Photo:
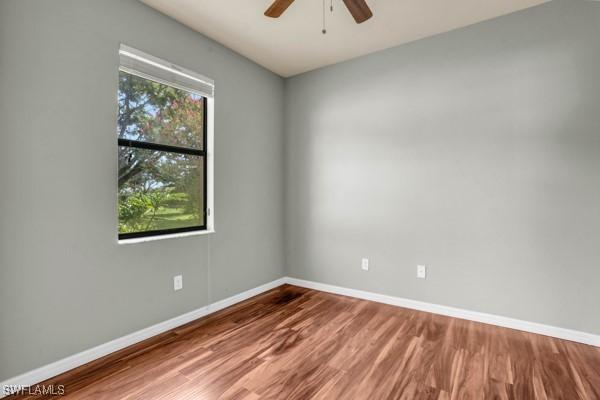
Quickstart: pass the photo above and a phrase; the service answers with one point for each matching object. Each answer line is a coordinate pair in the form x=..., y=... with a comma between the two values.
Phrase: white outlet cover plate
x=365, y=264
x=178, y=282
x=421, y=271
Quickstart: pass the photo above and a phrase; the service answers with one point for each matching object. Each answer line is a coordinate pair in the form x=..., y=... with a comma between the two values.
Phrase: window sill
x=168, y=236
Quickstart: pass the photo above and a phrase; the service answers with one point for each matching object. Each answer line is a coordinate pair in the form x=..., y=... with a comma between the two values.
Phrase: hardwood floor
x=295, y=343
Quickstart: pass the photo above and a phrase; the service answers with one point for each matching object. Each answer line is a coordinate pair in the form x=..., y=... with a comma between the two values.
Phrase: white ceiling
x=293, y=43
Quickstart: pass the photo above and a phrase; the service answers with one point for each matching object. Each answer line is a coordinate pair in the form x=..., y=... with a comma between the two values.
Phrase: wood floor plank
x=297, y=343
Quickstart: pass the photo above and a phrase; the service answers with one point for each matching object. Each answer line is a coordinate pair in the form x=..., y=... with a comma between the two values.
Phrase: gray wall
x=476, y=153
x=65, y=283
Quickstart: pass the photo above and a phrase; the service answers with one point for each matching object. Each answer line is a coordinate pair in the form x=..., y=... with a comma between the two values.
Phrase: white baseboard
x=541, y=329
x=77, y=360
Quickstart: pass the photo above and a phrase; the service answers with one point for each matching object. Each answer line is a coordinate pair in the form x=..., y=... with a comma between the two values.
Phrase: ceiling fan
x=358, y=8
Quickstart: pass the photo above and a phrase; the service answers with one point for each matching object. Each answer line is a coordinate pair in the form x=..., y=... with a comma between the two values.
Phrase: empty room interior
x=309, y=199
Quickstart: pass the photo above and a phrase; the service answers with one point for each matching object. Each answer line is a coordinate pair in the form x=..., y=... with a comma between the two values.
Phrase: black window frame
x=177, y=150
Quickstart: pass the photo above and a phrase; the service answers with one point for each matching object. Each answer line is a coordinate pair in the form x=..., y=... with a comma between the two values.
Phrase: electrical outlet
x=178, y=282
x=365, y=264
x=421, y=272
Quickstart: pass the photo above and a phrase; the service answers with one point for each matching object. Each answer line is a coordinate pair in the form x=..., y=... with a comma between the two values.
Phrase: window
x=165, y=162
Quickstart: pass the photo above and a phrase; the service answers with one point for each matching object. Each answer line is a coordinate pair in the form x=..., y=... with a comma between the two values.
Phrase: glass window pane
x=158, y=113
x=159, y=190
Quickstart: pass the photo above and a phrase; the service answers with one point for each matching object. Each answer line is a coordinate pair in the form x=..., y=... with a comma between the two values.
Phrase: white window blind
x=138, y=63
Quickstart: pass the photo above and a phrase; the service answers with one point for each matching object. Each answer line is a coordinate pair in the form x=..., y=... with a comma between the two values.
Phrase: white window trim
x=144, y=239
x=150, y=67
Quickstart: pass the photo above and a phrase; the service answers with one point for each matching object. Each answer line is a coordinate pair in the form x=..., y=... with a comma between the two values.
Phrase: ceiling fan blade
x=277, y=8
x=359, y=10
